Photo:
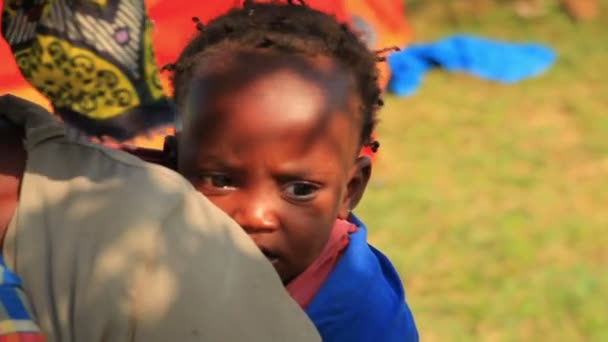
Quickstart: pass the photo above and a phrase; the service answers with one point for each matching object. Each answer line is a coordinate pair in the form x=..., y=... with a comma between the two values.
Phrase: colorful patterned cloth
x=93, y=59
x=16, y=320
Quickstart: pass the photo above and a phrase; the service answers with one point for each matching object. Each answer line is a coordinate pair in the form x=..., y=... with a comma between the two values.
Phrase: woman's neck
x=12, y=166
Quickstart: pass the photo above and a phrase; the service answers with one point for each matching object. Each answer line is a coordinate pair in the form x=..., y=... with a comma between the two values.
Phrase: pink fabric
x=304, y=287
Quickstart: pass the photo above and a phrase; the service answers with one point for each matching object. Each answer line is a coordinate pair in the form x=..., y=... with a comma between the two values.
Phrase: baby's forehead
x=248, y=78
x=223, y=74
x=244, y=66
x=283, y=109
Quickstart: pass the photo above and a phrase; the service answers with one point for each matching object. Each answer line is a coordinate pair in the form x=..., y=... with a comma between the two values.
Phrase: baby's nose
x=257, y=217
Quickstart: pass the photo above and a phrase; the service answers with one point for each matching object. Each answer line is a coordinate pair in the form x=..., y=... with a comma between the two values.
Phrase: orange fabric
x=174, y=27
x=392, y=14
x=304, y=287
x=387, y=18
x=11, y=80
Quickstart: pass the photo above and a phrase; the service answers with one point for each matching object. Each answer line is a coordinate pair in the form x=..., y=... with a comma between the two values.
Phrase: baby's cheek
x=225, y=202
x=307, y=233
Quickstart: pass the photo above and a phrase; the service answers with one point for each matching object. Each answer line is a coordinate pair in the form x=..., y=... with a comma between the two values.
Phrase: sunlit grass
x=492, y=200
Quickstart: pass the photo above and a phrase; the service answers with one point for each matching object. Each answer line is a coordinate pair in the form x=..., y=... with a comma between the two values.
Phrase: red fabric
x=304, y=287
x=368, y=151
x=22, y=337
x=10, y=76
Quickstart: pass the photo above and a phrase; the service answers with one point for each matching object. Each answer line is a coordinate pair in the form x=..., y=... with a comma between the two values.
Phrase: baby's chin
x=286, y=270
x=277, y=263
x=283, y=270
x=286, y=273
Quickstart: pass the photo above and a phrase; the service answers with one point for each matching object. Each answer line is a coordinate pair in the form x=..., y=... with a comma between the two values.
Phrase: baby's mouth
x=272, y=257
x=278, y=262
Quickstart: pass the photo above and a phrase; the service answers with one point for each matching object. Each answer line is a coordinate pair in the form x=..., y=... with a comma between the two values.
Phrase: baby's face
x=279, y=156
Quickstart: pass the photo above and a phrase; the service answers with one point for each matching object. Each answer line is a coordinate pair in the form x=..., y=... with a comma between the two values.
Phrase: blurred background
x=492, y=199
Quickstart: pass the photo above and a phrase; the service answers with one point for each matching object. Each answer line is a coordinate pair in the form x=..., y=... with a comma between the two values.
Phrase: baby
x=277, y=100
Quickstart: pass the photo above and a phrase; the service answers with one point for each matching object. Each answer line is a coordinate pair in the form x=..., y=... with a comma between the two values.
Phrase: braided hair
x=292, y=28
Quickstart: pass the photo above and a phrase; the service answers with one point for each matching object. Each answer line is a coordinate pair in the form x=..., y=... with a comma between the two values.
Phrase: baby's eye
x=301, y=191
x=218, y=181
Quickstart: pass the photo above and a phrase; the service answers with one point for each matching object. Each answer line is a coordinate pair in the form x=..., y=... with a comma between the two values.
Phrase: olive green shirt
x=111, y=248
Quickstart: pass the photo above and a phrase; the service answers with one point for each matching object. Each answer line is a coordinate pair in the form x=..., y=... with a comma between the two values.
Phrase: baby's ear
x=358, y=178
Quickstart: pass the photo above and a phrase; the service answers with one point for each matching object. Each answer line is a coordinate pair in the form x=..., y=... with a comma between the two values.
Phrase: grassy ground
x=492, y=200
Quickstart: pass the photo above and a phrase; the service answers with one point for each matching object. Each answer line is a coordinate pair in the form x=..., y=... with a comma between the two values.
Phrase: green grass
x=492, y=200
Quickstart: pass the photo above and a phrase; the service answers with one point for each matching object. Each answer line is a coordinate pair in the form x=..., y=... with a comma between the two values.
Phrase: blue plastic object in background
x=489, y=59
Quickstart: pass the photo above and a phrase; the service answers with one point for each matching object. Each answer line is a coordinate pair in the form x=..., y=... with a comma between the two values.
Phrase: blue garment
x=15, y=313
x=489, y=59
x=363, y=298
